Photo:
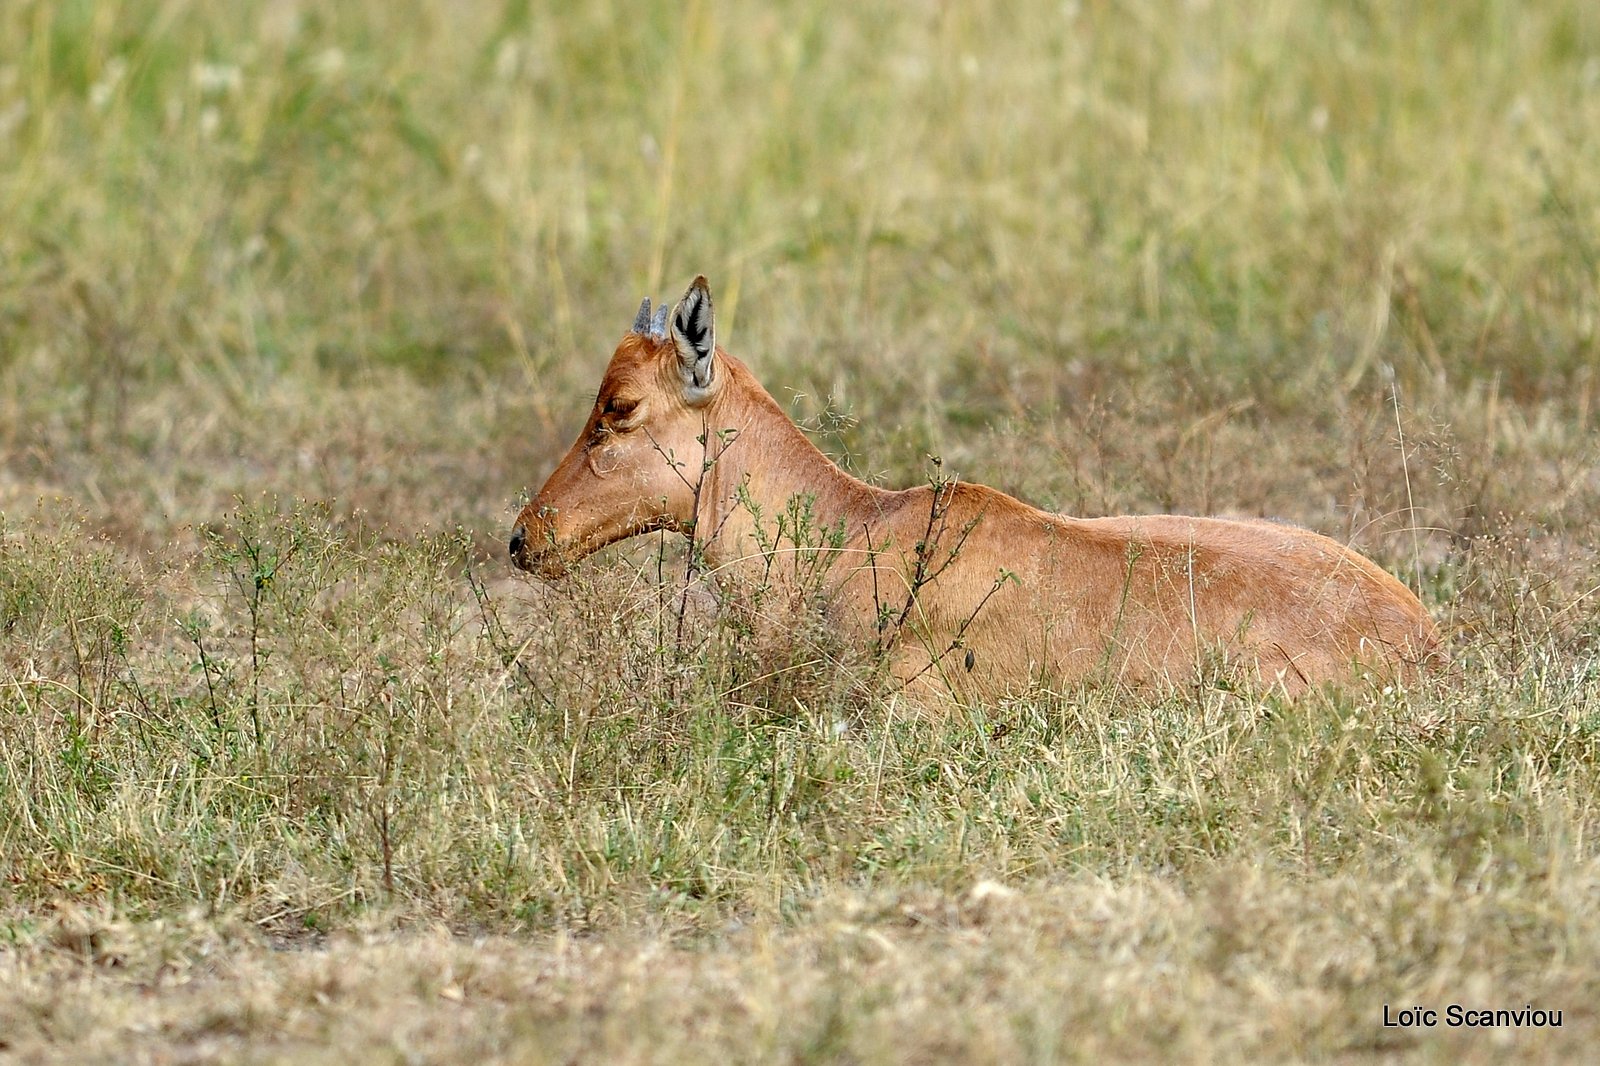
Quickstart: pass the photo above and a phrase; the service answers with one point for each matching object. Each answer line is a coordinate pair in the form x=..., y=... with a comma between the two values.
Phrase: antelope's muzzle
x=533, y=545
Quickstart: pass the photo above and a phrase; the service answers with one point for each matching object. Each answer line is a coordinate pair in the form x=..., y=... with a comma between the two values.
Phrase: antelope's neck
x=759, y=464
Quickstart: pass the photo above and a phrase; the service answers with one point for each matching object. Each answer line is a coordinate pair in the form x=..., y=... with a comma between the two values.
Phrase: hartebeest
x=991, y=593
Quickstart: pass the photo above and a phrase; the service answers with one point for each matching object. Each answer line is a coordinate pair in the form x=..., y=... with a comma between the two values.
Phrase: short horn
x=658, y=325
x=641, y=321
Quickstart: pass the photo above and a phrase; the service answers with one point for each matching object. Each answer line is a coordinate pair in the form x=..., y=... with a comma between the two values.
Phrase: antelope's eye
x=619, y=409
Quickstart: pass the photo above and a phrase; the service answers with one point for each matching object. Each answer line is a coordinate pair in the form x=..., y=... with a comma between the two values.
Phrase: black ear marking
x=694, y=323
x=694, y=331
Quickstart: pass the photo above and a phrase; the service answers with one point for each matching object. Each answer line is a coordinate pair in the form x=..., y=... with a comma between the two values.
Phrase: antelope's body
x=966, y=587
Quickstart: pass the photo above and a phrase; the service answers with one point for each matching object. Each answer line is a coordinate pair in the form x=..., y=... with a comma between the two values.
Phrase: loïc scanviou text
x=1457, y=1016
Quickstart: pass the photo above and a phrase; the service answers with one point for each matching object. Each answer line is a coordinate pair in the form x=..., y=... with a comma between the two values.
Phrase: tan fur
x=1147, y=600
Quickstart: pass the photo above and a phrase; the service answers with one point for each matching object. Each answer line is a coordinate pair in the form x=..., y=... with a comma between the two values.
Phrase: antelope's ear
x=694, y=335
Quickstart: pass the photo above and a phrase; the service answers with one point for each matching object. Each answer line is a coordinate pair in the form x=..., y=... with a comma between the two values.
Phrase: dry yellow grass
x=1243, y=965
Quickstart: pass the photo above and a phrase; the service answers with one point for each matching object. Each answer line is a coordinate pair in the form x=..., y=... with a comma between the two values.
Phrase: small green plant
x=252, y=560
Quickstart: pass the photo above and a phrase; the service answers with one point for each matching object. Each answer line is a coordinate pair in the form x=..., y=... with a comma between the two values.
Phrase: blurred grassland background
x=295, y=300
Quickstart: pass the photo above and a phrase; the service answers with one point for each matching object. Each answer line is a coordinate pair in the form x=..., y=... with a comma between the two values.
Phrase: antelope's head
x=636, y=465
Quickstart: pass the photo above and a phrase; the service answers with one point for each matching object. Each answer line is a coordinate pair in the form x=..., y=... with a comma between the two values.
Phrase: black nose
x=519, y=537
